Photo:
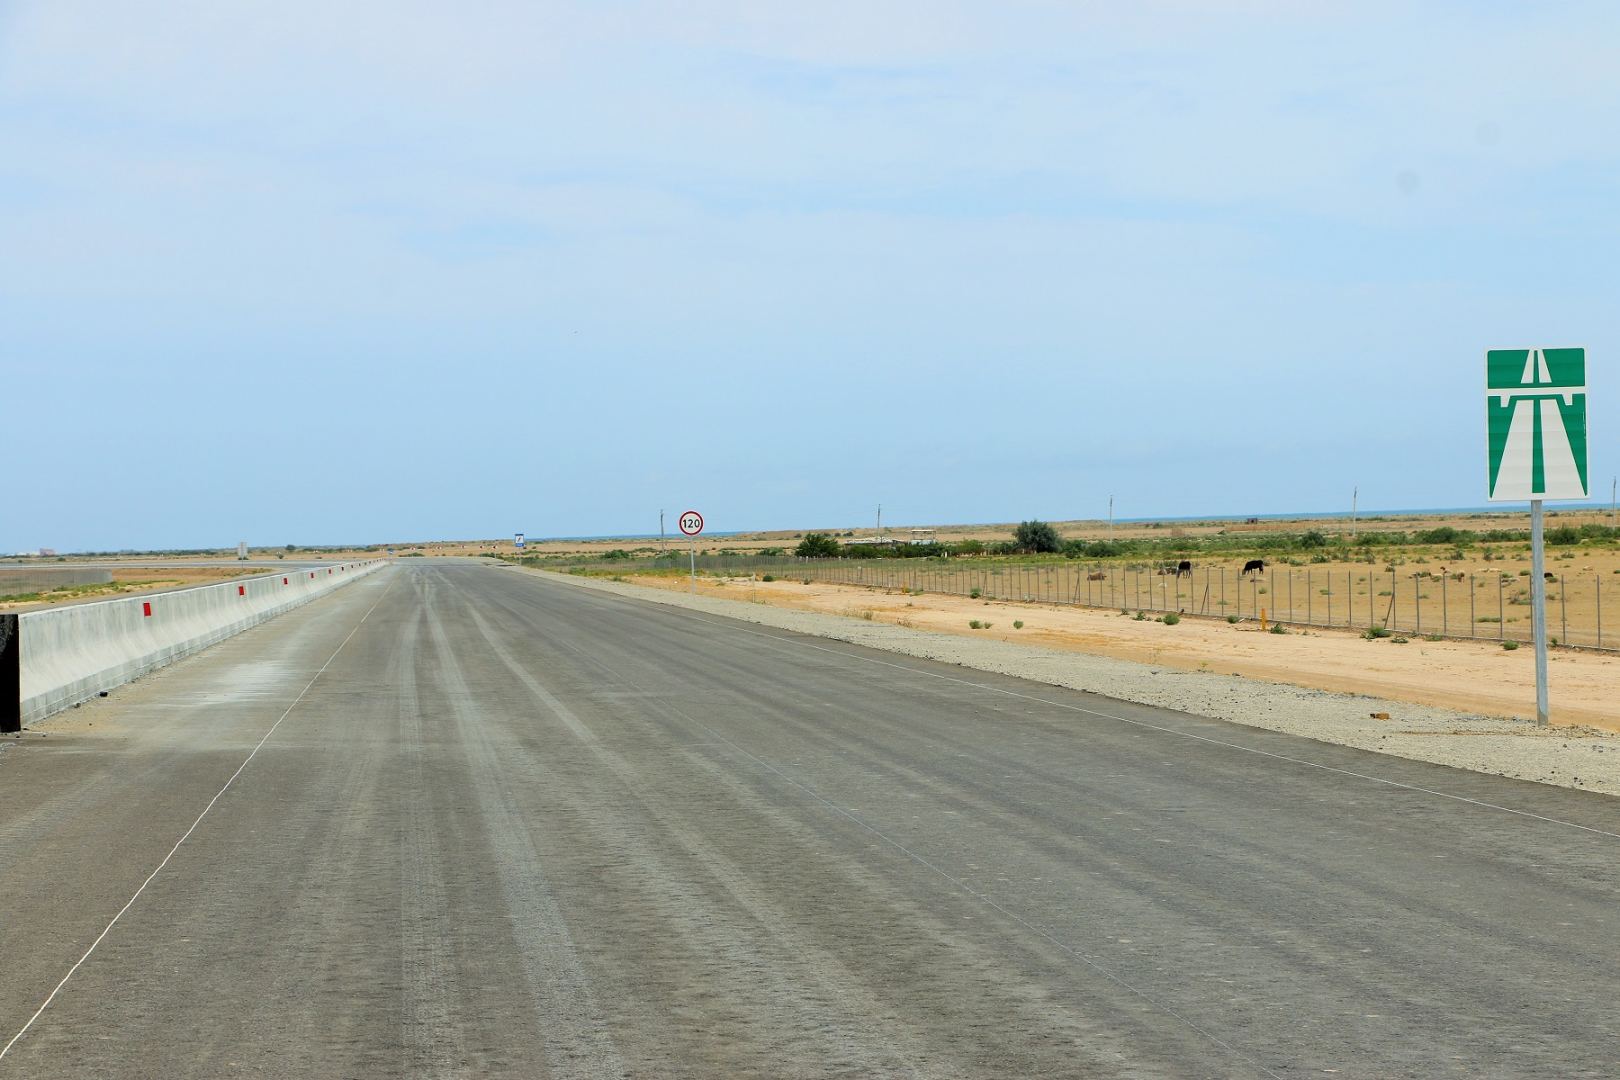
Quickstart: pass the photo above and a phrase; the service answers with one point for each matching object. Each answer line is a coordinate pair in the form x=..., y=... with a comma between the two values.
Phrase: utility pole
x=880, y=519
x=1110, y=517
x=1613, y=483
x=1355, y=493
x=663, y=541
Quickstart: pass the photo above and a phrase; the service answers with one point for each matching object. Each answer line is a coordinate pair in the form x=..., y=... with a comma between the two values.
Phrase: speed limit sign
x=691, y=523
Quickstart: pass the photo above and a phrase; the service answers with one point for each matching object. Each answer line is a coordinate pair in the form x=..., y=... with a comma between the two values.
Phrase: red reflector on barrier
x=146, y=609
x=329, y=570
x=241, y=590
x=284, y=581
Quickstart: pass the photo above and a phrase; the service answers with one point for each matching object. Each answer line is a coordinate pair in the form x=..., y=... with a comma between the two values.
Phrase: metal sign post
x=1535, y=428
x=691, y=523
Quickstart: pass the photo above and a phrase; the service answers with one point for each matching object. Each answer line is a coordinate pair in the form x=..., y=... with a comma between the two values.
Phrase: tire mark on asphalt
x=1093, y=963
x=883, y=1048
x=576, y=1041
x=433, y=1045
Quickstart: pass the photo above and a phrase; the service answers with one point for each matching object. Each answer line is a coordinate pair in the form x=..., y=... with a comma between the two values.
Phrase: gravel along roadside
x=1575, y=757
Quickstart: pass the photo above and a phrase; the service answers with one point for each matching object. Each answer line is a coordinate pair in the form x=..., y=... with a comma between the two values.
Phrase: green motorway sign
x=1535, y=423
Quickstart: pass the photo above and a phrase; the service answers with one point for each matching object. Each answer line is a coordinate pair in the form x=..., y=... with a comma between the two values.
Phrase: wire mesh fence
x=1402, y=600
x=20, y=581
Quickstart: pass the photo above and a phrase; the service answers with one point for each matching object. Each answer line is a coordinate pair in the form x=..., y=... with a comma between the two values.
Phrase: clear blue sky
x=347, y=272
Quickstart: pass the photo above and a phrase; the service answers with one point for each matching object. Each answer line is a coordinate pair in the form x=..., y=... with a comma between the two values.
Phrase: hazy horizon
x=1363, y=514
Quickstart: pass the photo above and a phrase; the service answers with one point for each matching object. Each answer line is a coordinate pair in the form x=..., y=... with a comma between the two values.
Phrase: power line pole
x=1110, y=518
x=663, y=541
x=880, y=519
x=1355, y=493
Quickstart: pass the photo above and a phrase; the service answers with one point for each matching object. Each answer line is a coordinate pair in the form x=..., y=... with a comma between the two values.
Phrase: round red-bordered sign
x=691, y=522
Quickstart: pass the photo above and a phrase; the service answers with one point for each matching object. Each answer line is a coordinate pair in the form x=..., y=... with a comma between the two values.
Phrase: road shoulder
x=1581, y=758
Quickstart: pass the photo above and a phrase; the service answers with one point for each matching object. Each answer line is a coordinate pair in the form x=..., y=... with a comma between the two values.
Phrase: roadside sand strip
x=1463, y=676
x=1578, y=757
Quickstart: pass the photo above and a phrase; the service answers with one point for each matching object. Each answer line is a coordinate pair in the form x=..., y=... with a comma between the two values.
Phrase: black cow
x=1549, y=577
x=1257, y=566
x=1184, y=568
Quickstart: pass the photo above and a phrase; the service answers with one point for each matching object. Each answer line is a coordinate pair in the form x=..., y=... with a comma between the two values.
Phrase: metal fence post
x=1563, y=612
x=1501, y=613
x=1394, y=593
x=1417, y=604
x=1599, y=580
x=1445, y=608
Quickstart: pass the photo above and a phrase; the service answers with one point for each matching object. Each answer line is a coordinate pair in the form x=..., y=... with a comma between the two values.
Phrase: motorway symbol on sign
x=691, y=523
x=517, y=541
x=1535, y=422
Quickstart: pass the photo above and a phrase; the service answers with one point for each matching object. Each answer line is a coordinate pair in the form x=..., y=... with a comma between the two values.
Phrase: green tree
x=1037, y=537
x=817, y=546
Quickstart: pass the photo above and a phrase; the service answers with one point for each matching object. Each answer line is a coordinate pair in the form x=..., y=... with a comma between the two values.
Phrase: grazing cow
x=1257, y=566
x=1549, y=576
x=1097, y=576
x=1184, y=568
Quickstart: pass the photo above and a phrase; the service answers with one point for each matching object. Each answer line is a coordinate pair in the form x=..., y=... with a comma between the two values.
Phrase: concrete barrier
x=70, y=654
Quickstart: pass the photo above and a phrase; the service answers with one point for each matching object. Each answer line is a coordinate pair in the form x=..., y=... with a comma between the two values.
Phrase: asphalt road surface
x=460, y=820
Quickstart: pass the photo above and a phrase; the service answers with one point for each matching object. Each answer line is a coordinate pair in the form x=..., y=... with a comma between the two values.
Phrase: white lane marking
x=727, y=624
x=149, y=878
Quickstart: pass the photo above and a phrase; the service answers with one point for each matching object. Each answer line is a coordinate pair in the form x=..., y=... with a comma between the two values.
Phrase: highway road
x=462, y=820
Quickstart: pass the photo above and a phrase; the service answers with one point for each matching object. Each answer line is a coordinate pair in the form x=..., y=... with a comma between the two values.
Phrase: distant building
x=46, y=552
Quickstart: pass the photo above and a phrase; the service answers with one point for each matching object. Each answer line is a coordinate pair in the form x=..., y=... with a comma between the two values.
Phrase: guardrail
x=69, y=654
